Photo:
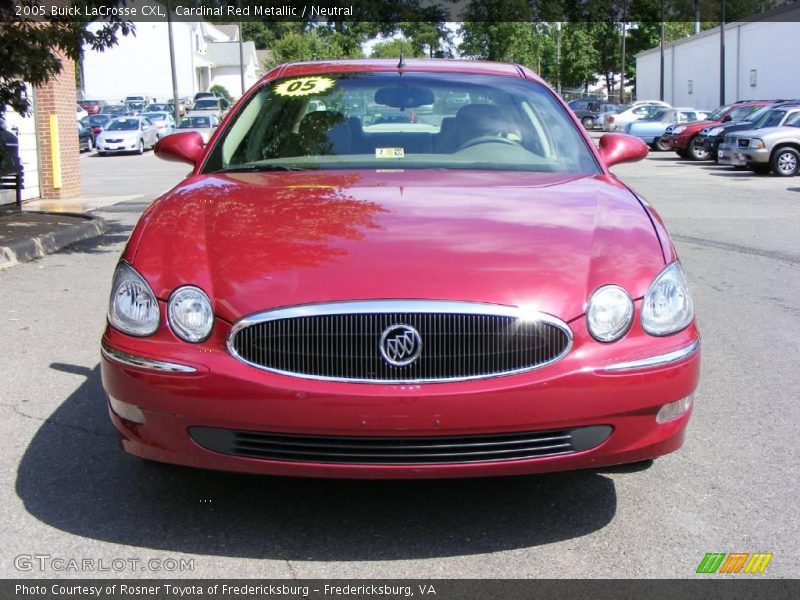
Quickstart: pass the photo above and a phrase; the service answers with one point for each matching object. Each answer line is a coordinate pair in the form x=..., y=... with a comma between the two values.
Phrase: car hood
x=255, y=241
x=119, y=133
x=771, y=133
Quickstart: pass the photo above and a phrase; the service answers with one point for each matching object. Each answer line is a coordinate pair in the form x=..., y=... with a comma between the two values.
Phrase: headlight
x=716, y=131
x=190, y=314
x=609, y=313
x=133, y=308
x=667, y=306
x=756, y=143
x=679, y=129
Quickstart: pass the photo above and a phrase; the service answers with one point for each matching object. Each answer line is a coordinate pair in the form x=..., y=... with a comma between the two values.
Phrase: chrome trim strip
x=654, y=361
x=394, y=306
x=130, y=360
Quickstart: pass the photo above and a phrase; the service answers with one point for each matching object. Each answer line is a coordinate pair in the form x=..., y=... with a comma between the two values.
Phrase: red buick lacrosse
x=385, y=270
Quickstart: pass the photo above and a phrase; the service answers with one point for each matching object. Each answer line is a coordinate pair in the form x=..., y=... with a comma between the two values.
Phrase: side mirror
x=618, y=148
x=185, y=147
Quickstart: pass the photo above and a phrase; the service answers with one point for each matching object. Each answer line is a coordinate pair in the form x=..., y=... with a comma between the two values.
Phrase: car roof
x=435, y=65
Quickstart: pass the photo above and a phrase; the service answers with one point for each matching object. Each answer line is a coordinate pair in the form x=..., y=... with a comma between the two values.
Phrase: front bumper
x=729, y=155
x=750, y=156
x=710, y=144
x=676, y=142
x=622, y=386
x=124, y=146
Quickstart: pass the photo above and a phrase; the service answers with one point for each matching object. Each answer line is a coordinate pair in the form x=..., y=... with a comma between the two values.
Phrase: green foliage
x=392, y=48
x=32, y=51
x=221, y=89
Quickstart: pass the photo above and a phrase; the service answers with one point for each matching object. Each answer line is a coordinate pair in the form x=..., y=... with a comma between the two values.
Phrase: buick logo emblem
x=400, y=345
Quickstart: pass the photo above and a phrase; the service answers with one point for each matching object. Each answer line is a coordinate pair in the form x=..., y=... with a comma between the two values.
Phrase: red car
x=92, y=107
x=683, y=138
x=472, y=294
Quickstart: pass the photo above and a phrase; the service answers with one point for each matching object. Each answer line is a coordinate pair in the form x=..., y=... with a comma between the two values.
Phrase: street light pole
x=722, y=56
x=175, y=99
x=622, y=73
x=661, y=45
x=558, y=57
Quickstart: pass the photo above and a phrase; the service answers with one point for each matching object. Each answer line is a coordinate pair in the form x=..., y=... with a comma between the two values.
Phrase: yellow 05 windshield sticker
x=304, y=86
x=389, y=153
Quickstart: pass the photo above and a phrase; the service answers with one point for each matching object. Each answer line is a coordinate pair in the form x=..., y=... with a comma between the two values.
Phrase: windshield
x=717, y=114
x=661, y=115
x=123, y=125
x=209, y=103
x=155, y=116
x=407, y=121
x=97, y=120
x=195, y=123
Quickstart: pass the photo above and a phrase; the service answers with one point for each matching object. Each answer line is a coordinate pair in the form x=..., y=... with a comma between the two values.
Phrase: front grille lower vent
x=356, y=450
x=438, y=341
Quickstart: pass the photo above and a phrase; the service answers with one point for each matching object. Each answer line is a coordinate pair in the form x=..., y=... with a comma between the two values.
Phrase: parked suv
x=773, y=116
x=767, y=116
x=683, y=138
x=775, y=149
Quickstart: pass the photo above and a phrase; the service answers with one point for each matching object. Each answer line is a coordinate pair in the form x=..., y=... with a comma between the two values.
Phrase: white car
x=80, y=113
x=127, y=134
x=204, y=124
x=632, y=112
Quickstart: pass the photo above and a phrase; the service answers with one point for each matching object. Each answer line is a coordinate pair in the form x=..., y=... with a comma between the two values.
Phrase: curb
x=42, y=245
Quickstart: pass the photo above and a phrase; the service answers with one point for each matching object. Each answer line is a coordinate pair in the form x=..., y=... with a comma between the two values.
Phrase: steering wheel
x=488, y=139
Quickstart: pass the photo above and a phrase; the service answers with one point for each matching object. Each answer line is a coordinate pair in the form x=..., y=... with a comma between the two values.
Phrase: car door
x=149, y=132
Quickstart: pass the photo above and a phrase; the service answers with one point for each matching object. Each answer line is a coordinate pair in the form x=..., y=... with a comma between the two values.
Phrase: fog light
x=673, y=410
x=126, y=411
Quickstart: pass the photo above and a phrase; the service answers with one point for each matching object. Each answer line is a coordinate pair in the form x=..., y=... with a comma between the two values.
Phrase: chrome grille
x=342, y=341
x=407, y=450
x=744, y=142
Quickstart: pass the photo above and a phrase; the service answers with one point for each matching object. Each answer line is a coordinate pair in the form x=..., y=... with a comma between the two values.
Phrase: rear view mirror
x=404, y=96
x=618, y=148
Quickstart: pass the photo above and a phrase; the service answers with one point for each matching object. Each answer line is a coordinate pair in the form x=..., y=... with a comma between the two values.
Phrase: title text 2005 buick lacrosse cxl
x=403, y=270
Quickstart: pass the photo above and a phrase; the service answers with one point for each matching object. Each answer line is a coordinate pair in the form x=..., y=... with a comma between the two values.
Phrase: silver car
x=163, y=121
x=770, y=117
x=202, y=124
x=127, y=134
x=775, y=149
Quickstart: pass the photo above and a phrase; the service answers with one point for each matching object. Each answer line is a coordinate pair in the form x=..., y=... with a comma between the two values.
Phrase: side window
x=641, y=110
x=774, y=118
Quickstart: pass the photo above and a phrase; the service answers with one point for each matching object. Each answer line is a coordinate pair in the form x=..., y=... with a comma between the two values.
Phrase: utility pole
x=661, y=45
x=176, y=106
x=558, y=57
x=622, y=72
x=241, y=50
x=722, y=56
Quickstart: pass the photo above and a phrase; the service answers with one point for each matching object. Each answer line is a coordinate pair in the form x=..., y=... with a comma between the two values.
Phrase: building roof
x=232, y=31
x=226, y=54
x=784, y=13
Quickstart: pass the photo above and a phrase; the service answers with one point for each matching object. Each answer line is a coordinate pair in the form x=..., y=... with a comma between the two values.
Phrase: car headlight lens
x=190, y=314
x=609, y=313
x=667, y=306
x=715, y=131
x=133, y=308
x=756, y=143
x=679, y=129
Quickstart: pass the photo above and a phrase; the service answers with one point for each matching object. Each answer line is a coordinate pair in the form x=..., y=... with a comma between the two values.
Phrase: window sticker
x=389, y=153
x=304, y=86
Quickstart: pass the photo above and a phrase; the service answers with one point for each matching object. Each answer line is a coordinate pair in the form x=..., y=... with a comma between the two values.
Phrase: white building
x=755, y=63
x=205, y=55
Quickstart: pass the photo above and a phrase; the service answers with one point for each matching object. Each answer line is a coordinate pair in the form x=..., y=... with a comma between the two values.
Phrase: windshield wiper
x=255, y=168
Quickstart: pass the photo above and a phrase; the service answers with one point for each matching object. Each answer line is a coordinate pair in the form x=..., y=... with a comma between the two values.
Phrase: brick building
x=52, y=170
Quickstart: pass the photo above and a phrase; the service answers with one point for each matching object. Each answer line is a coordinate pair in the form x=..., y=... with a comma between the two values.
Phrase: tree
x=32, y=51
x=392, y=49
x=222, y=90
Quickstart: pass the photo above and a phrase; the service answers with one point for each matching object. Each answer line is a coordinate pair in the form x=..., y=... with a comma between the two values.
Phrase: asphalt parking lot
x=68, y=492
